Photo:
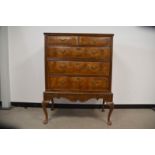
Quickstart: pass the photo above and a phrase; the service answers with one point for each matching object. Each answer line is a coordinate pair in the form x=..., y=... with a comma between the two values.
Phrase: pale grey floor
x=32, y=118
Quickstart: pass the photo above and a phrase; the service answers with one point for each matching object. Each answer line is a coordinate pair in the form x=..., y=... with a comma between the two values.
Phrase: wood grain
x=78, y=66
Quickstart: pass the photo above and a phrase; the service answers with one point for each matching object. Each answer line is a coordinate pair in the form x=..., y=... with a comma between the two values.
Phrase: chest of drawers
x=78, y=67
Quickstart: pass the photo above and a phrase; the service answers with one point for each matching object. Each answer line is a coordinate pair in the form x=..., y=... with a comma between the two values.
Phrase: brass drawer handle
x=94, y=42
x=93, y=67
x=77, y=78
x=62, y=39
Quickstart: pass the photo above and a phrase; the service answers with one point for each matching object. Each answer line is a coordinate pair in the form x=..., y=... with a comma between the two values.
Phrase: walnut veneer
x=78, y=67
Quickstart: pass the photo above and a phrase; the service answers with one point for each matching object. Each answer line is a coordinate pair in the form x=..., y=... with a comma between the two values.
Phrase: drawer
x=79, y=68
x=79, y=52
x=62, y=40
x=78, y=83
x=95, y=41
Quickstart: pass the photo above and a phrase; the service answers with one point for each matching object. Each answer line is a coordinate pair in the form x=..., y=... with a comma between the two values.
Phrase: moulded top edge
x=79, y=34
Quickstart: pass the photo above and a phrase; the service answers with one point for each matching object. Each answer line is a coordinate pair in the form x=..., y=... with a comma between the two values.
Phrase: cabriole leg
x=44, y=105
x=103, y=105
x=52, y=105
x=111, y=108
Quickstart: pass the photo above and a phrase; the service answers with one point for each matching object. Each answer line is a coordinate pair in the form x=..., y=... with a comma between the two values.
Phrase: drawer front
x=78, y=83
x=74, y=68
x=62, y=40
x=79, y=52
x=95, y=41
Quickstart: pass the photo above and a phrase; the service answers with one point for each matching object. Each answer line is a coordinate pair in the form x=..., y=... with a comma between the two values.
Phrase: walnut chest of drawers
x=78, y=67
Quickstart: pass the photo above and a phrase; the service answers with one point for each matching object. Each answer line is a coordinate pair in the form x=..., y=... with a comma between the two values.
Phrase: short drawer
x=62, y=40
x=79, y=52
x=79, y=68
x=78, y=83
x=95, y=41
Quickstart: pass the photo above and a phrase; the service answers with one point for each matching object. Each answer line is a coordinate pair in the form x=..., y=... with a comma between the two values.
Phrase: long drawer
x=80, y=52
x=78, y=83
x=95, y=41
x=75, y=68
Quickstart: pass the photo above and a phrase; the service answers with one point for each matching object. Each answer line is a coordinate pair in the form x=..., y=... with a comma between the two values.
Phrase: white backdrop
x=133, y=80
x=4, y=68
